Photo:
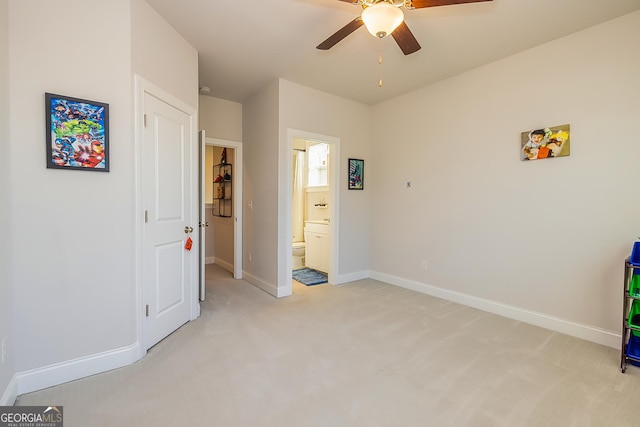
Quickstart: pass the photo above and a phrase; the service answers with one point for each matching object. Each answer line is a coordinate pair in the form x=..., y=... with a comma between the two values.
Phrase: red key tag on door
x=188, y=244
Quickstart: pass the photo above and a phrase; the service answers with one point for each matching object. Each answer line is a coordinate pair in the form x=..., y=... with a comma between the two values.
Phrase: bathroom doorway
x=313, y=183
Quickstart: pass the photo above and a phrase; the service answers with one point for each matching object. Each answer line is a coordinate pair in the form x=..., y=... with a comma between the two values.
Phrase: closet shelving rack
x=222, y=190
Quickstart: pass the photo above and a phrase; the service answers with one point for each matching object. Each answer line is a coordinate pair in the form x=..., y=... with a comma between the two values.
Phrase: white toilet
x=298, y=249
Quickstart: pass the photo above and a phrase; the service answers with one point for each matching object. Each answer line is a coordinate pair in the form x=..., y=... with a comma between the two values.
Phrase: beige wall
x=260, y=138
x=163, y=56
x=76, y=226
x=310, y=110
x=268, y=117
x=76, y=313
x=220, y=118
x=542, y=240
x=6, y=284
x=208, y=175
x=313, y=212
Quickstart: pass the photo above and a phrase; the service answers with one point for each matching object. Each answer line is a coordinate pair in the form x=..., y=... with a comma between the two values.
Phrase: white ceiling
x=244, y=44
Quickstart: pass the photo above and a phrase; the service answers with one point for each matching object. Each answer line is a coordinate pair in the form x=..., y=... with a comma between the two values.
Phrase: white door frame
x=142, y=86
x=237, y=199
x=286, y=166
x=202, y=223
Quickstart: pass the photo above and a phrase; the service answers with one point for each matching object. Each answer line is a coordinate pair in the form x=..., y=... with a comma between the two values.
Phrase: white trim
x=59, y=373
x=578, y=330
x=224, y=264
x=10, y=393
x=209, y=260
x=352, y=277
x=138, y=114
x=285, y=173
x=270, y=288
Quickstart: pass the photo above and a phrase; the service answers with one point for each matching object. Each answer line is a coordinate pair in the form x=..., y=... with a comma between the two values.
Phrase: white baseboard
x=284, y=293
x=224, y=264
x=59, y=373
x=11, y=393
x=209, y=260
x=586, y=332
x=265, y=286
x=351, y=277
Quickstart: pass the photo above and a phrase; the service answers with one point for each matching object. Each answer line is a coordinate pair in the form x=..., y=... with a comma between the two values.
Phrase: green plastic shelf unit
x=634, y=286
x=634, y=317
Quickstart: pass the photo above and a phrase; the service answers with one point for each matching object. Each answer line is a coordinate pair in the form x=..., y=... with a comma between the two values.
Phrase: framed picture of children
x=545, y=143
x=77, y=133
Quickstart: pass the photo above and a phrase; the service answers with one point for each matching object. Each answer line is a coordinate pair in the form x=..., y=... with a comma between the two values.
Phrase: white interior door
x=167, y=201
x=203, y=223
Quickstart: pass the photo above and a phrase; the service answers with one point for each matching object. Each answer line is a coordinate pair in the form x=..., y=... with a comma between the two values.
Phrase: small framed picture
x=356, y=174
x=77, y=133
x=545, y=143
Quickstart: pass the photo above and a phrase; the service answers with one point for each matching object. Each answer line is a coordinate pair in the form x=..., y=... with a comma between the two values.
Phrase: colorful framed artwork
x=356, y=174
x=77, y=133
x=545, y=143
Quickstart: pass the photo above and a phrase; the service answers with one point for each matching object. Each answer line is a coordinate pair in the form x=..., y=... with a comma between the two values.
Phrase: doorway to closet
x=221, y=206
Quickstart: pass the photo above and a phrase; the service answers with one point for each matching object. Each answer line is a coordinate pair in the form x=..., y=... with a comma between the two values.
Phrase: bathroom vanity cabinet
x=222, y=190
x=316, y=236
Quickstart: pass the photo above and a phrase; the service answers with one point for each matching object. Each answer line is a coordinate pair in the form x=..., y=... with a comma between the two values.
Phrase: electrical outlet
x=4, y=349
x=424, y=265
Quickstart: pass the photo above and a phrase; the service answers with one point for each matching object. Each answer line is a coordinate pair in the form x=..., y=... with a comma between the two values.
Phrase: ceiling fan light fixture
x=382, y=18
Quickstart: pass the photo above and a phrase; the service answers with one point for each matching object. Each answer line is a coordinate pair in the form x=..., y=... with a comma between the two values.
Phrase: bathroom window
x=318, y=155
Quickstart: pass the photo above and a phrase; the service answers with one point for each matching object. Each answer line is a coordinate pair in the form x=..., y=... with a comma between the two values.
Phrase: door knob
x=188, y=229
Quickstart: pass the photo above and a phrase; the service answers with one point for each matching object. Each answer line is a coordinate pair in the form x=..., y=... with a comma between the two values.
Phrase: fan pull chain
x=380, y=65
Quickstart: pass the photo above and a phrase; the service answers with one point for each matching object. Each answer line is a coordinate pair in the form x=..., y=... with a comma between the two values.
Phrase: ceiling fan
x=384, y=17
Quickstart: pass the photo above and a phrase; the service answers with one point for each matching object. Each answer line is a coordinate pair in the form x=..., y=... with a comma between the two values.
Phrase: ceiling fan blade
x=405, y=39
x=340, y=34
x=419, y=4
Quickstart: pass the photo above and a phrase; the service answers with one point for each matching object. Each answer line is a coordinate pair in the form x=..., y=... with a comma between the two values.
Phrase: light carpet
x=360, y=354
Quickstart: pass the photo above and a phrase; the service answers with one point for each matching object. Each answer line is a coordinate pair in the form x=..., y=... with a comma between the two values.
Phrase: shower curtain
x=298, y=197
